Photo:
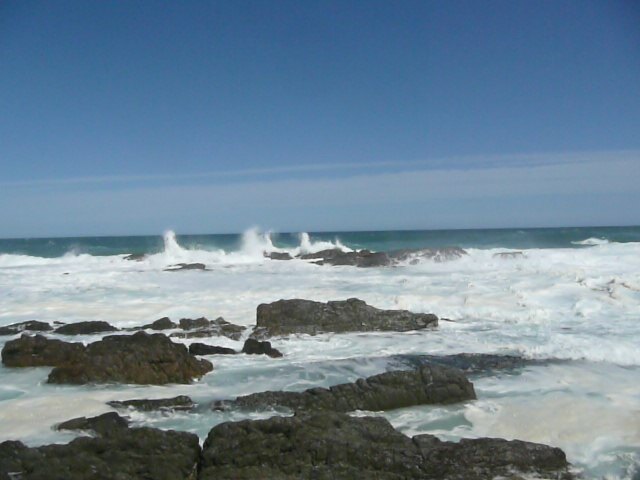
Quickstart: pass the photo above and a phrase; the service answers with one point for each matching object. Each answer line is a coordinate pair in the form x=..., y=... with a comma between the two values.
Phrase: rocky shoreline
x=320, y=441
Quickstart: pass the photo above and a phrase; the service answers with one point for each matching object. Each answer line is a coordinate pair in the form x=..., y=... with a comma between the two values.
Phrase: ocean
x=569, y=302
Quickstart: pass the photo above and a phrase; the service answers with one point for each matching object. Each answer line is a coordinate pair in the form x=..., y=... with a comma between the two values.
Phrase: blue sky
x=134, y=117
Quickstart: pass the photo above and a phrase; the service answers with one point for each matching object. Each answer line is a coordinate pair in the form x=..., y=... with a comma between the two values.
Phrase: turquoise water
x=375, y=240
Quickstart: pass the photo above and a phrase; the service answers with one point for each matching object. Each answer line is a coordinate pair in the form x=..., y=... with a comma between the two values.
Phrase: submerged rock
x=204, y=349
x=336, y=446
x=203, y=327
x=39, y=351
x=360, y=258
x=467, y=362
x=140, y=358
x=116, y=453
x=509, y=255
x=255, y=347
x=28, y=326
x=85, y=328
x=135, y=257
x=442, y=254
x=185, y=266
x=278, y=255
x=285, y=317
x=181, y=402
x=386, y=391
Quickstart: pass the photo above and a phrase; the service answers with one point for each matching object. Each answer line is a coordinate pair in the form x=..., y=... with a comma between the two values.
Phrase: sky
x=213, y=116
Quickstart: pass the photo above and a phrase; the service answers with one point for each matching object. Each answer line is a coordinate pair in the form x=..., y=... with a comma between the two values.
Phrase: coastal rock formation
x=135, y=257
x=386, y=391
x=366, y=258
x=116, y=453
x=181, y=402
x=203, y=327
x=204, y=349
x=140, y=358
x=255, y=347
x=85, y=328
x=163, y=323
x=286, y=317
x=470, y=363
x=29, y=326
x=185, y=266
x=278, y=255
x=335, y=446
x=39, y=351
x=104, y=424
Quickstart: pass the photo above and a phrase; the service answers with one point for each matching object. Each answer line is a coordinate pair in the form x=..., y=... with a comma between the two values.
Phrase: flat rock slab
x=39, y=351
x=104, y=424
x=470, y=363
x=28, y=326
x=116, y=453
x=204, y=349
x=386, y=391
x=203, y=328
x=336, y=446
x=181, y=402
x=366, y=258
x=286, y=317
x=85, y=328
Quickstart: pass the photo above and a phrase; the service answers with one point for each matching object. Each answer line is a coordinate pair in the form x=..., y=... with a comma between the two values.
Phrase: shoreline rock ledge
x=331, y=445
x=286, y=317
x=430, y=384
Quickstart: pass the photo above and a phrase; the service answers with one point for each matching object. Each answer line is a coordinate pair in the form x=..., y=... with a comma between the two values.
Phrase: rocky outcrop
x=185, y=266
x=29, y=326
x=163, y=323
x=366, y=258
x=104, y=424
x=116, y=453
x=204, y=349
x=39, y=351
x=135, y=257
x=278, y=255
x=255, y=347
x=181, y=402
x=140, y=358
x=470, y=363
x=85, y=328
x=336, y=446
x=387, y=391
x=286, y=317
x=203, y=327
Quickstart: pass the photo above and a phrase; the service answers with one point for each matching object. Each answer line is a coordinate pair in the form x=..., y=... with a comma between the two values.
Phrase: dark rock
x=135, y=257
x=185, y=266
x=116, y=453
x=509, y=255
x=181, y=402
x=467, y=362
x=39, y=351
x=255, y=347
x=204, y=349
x=202, y=327
x=386, y=391
x=30, y=326
x=442, y=254
x=85, y=328
x=104, y=424
x=140, y=358
x=163, y=323
x=285, y=317
x=360, y=258
x=335, y=446
x=278, y=255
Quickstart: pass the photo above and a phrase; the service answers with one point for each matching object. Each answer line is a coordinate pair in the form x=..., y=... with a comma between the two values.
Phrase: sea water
x=569, y=300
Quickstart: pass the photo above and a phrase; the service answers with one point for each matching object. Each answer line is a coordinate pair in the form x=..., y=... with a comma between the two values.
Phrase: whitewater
x=573, y=306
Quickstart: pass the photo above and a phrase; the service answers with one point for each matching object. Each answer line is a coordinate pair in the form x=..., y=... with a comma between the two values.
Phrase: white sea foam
x=579, y=304
x=592, y=241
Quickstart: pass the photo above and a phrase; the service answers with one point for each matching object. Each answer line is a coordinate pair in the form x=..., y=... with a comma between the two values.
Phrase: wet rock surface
x=39, y=351
x=135, y=257
x=117, y=452
x=286, y=317
x=203, y=327
x=103, y=424
x=367, y=258
x=163, y=323
x=85, y=328
x=471, y=363
x=256, y=347
x=185, y=266
x=278, y=255
x=386, y=391
x=335, y=446
x=204, y=349
x=140, y=358
x=29, y=326
x=181, y=402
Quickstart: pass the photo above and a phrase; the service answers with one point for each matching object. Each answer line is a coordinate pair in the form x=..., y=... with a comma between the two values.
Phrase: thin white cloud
x=471, y=162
